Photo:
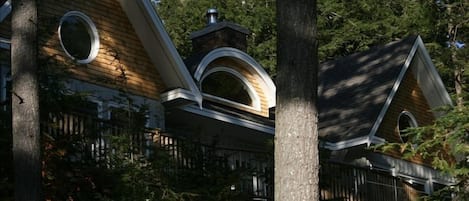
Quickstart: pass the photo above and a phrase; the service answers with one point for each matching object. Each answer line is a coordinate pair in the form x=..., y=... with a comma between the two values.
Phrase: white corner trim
x=334, y=146
x=395, y=87
x=5, y=10
x=176, y=94
x=170, y=49
x=267, y=84
x=376, y=140
x=229, y=119
x=5, y=43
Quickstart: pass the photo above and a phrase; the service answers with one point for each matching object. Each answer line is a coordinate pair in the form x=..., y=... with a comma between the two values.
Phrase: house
x=222, y=96
x=371, y=97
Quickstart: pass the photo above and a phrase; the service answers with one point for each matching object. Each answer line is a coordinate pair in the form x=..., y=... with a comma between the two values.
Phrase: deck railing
x=337, y=181
x=93, y=135
x=257, y=180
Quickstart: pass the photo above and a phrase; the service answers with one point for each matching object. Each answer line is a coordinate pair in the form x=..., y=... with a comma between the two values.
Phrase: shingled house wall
x=409, y=97
x=121, y=63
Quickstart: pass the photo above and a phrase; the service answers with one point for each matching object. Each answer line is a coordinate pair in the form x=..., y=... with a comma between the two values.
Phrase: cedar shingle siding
x=121, y=63
x=409, y=97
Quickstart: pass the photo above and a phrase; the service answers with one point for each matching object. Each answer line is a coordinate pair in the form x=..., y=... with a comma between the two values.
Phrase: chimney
x=219, y=34
x=212, y=16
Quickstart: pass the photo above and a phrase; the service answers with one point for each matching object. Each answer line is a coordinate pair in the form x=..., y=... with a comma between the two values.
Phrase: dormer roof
x=356, y=91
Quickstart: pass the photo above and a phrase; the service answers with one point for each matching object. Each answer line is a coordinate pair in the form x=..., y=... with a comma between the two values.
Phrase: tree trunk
x=25, y=101
x=296, y=135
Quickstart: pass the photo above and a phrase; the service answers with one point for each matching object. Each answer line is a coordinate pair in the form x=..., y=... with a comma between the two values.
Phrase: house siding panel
x=409, y=97
x=121, y=63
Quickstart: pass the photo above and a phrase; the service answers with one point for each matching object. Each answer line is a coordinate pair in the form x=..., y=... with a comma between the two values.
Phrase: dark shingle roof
x=353, y=89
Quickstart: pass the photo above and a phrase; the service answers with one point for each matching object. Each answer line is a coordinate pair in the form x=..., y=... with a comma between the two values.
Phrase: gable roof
x=161, y=51
x=356, y=91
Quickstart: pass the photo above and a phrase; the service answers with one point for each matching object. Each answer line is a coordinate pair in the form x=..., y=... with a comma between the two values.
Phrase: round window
x=79, y=37
x=406, y=120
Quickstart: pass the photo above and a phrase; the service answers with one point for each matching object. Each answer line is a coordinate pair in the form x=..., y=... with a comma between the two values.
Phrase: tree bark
x=296, y=133
x=25, y=101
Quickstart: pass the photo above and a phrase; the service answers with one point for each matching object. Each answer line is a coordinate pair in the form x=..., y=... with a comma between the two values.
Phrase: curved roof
x=198, y=64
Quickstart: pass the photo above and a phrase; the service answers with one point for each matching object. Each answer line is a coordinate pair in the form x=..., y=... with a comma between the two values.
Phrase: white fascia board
x=377, y=140
x=159, y=46
x=5, y=10
x=229, y=119
x=181, y=68
x=5, y=43
x=334, y=146
x=430, y=80
x=407, y=169
x=395, y=87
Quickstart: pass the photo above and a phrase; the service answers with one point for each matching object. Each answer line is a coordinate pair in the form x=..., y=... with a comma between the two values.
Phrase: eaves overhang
x=5, y=43
x=408, y=170
x=212, y=114
x=161, y=50
x=364, y=140
x=177, y=97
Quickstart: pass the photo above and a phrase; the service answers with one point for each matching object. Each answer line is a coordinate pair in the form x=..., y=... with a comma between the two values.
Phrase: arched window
x=79, y=37
x=228, y=85
x=406, y=120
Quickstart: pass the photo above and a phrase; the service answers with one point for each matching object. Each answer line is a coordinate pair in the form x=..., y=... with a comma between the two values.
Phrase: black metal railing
x=94, y=136
x=256, y=180
x=337, y=181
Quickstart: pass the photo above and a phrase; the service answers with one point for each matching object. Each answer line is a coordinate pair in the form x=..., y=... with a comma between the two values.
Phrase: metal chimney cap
x=212, y=16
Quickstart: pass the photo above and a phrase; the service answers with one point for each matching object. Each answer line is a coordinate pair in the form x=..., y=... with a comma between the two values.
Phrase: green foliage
x=345, y=27
x=182, y=17
x=446, y=145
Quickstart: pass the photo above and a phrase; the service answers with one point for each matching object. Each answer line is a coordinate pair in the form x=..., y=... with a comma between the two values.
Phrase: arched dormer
x=231, y=77
x=228, y=85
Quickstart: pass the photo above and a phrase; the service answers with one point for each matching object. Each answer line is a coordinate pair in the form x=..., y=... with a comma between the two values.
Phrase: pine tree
x=181, y=18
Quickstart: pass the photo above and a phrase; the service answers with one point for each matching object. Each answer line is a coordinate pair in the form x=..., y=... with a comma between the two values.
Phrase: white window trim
x=256, y=103
x=413, y=121
x=92, y=31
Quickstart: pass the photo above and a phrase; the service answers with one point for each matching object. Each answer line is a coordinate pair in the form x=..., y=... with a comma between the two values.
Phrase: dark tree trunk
x=25, y=101
x=296, y=135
